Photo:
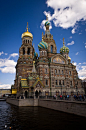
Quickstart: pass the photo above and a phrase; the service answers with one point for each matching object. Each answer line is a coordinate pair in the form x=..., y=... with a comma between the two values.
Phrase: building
x=4, y=92
x=50, y=73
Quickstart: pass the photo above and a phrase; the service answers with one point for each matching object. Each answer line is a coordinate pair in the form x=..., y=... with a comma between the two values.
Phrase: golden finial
x=27, y=26
x=63, y=40
x=46, y=17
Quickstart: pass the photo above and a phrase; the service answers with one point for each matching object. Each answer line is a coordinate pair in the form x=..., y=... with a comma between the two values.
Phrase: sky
x=67, y=19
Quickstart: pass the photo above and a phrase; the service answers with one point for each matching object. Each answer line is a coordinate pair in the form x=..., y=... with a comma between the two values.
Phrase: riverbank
x=73, y=107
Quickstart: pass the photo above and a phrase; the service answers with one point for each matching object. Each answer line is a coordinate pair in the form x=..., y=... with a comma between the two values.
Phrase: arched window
x=65, y=56
x=28, y=51
x=42, y=52
x=59, y=71
x=62, y=71
x=56, y=82
x=23, y=51
x=63, y=82
x=51, y=48
x=26, y=41
x=46, y=35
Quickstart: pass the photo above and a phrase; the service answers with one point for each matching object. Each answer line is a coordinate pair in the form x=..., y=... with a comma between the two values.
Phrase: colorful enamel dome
x=64, y=49
x=42, y=45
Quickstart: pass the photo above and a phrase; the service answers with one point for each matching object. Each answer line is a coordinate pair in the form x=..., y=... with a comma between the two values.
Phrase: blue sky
x=67, y=18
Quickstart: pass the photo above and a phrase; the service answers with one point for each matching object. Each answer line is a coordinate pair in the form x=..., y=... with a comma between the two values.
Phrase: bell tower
x=24, y=65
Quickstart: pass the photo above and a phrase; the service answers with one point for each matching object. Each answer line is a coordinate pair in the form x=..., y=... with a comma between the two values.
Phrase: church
x=50, y=73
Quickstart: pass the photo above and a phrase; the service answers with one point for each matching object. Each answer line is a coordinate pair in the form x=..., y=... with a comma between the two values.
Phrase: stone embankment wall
x=22, y=102
x=73, y=107
x=78, y=108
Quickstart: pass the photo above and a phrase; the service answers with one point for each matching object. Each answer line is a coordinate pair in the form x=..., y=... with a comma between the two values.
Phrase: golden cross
x=27, y=26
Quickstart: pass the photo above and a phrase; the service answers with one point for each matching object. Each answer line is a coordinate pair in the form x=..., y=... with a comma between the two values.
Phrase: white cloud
x=5, y=86
x=70, y=43
x=85, y=46
x=85, y=43
x=14, y=55
x=1, y=53
x=73, y=31
x=80, y=33
x=84, y=62
x=70, y=37
x=81, y=70
x=77, y=53
x=66, y=13
x=5, y=53
x=7, y=66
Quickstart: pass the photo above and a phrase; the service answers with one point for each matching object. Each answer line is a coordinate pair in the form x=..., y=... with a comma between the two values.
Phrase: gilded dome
x=27, y=34
x=42, y=45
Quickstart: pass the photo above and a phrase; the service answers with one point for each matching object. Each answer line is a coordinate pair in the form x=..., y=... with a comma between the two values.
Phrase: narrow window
x=56, y=82
x=69, y=72
x=59, y=71
x=46, y=35
x=45, y=70
x=51, y=48
x=55, y=71
x=70, y=82
x=59, y=82
x=26, y=41
x=28, y=51
x=62, y=71
x=63, y=82
x=46, y=82
x=23, y=51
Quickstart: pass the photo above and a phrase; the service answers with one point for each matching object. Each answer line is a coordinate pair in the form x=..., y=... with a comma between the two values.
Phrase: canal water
x=37, y=118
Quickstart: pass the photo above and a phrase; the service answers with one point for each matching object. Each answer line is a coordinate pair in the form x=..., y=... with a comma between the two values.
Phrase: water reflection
x=37, y=118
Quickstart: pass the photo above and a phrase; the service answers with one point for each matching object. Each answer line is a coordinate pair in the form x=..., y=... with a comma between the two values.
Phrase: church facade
x=49, y=74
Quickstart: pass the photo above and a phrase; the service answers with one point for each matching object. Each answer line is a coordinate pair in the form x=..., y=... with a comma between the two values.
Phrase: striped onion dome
x=47, y=23
x=42, y=45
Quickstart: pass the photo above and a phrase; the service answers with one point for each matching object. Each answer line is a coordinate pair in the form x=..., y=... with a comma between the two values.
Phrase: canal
x=37, y=118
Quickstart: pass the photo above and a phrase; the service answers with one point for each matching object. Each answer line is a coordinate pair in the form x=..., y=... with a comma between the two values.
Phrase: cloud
x=70, y=37
x=81, y=70
x=73, y=31
x=1, y=53
x=77, y=53
x=85, y=46
x=14, y=55
x=5, y=53
x=66, y=13
x=84, y=62
x=7, y=66
x=5, y=86
x=70, y=43
x=80, y=33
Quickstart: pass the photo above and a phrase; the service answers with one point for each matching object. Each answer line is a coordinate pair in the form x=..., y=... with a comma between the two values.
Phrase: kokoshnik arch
x=50, y=72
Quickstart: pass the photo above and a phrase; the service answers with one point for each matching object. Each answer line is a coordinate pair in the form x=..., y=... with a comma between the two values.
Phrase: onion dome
x=47, y=23
x=42, y=45
x=35, y=54
x=27, y=34
x=64, y=49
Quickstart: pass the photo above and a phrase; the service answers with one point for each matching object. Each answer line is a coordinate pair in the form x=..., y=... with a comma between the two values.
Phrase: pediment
x=58, y=58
